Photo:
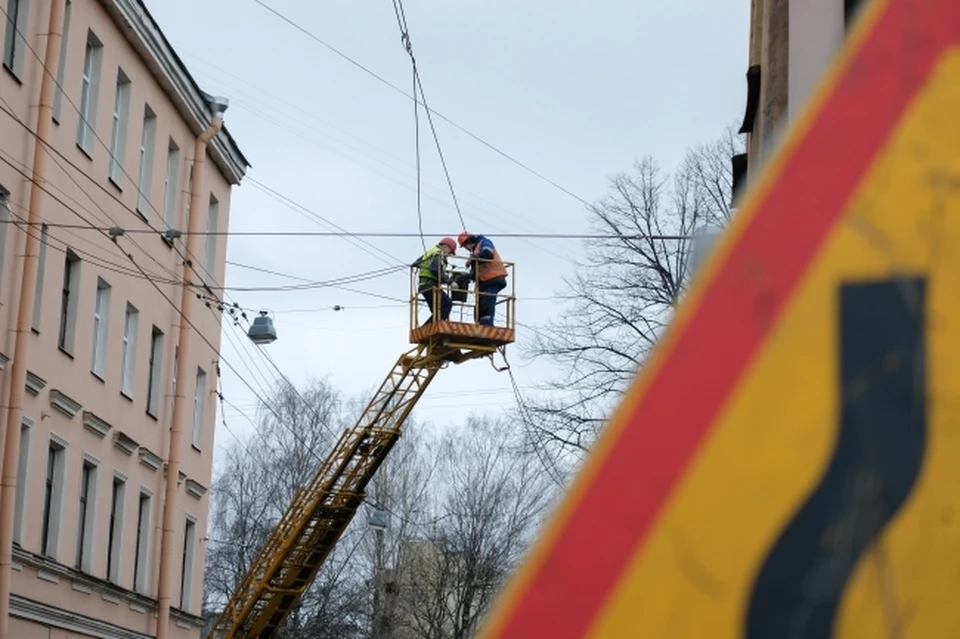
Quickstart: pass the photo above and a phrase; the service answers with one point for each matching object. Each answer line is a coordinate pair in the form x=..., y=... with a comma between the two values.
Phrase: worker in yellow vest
x=488, y=270
x=433, y=275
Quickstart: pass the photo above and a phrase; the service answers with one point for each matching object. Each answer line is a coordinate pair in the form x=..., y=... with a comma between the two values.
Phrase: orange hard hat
x=449, y=243
x=463, y=238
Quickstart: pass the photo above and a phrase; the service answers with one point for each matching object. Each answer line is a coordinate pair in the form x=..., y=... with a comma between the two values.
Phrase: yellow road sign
x=788, y=463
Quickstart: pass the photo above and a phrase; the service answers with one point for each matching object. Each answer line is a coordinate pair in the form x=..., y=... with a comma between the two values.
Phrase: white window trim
x=187, y=562
x=90, y=517
x=199, y=406
x=89, y=92
x=56, y=498
x=128, y=362
x=148, y=137
x=115, y=550
x=62, y=63
x=155, y=372
x=142, y=553
x=20, y=507
x=14, y=41
x=41, y=271
x=170, y=186
x=68, y=315
x=119, y=120
x=5, y=217
x=213, y=224
x=101, y=327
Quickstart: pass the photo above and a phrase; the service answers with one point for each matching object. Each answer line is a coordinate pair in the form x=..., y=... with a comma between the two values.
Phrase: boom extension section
x=292, y=555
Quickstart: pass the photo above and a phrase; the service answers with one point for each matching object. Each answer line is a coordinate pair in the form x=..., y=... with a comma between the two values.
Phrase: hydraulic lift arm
x=292, y=555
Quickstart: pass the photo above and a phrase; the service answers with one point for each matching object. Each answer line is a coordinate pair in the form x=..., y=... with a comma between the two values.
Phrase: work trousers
x=487, y=299
x=434, y=294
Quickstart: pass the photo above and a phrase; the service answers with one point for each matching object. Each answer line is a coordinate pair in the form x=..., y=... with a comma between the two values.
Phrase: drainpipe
x=18, y=375
x=167, y=560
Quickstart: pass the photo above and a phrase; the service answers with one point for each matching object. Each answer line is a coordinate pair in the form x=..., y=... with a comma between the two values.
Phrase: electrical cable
x=301, y=134
x=408, y=46
x=418, y=84
x=318, y=218
x=92, y=131
x=108, y=230
x=189, y=259
x=143, y=273
x=549, y=466
x=398, y=234
x=402, y=92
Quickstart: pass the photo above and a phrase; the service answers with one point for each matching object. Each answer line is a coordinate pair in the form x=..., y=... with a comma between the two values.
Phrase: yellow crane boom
x=292, y=555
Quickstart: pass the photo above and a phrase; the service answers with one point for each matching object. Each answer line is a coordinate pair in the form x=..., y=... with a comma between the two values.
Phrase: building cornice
x=51, y=615
x=142, y=31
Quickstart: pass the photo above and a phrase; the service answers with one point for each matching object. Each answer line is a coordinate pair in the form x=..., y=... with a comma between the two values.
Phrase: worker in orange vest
x=488, y=270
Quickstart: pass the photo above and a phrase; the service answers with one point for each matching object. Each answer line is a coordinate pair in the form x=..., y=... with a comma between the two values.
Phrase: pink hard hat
x=449, y=243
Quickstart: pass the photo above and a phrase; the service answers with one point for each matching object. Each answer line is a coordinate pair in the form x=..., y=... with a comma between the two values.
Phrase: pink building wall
x=84, y=413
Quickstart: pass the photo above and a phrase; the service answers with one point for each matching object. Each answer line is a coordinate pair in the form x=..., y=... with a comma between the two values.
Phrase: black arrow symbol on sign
x=879, y=452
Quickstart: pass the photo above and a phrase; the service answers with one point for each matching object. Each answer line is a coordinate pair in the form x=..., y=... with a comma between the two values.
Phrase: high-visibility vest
x=489, y=269
x=426, y=261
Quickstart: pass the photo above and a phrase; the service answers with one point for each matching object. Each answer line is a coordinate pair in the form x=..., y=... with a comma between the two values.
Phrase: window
x=68, y=302
x=115, y=532
x=199, y=395
x=145, y=179
x=101, y=327
x=38, y=289
x=176, y=368
x=52, y=496
x=89, y=89
x=118, y=134
x=61, y=64
x=186, y=564
x=143, y=539
x=170, y=186
x=129, y=355
x=86, y=515
x=21, y=495
x=14, y=43
x=5, y=211
x=156, y=365
x=213, y=221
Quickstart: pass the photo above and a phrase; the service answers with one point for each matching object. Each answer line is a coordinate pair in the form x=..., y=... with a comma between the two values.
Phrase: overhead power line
x=418, y=84
x=384, y=234
x=490, y=146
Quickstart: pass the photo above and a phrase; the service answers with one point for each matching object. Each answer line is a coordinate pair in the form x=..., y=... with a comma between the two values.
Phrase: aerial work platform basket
x=461, y=335
x=291, y=557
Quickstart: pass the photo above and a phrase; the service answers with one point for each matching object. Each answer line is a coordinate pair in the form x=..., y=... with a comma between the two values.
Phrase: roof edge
x=143, y=32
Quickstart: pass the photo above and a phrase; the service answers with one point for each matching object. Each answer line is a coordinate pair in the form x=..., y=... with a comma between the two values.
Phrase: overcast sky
x=574, y=90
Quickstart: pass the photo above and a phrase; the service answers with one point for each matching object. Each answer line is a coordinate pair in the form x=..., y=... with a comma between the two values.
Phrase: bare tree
x=257, y=481
x=624, y=291
x=468, y=533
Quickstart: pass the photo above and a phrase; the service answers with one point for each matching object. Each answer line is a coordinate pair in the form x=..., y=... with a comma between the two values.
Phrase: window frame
x=148, y=139
x=199, y=407
x=128, y=362
x=101, y=328
x=89, y=93
x=120, y=122
x=69, y=302
x=154, y=372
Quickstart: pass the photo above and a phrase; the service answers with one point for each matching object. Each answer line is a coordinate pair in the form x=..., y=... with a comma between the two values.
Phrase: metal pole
x=18, y=374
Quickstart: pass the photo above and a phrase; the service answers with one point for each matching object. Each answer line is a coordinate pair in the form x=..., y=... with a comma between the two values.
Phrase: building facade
x=792, y=43
x=102, y=355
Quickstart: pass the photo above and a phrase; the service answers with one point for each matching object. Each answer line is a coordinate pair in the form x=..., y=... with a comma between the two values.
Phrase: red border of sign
x=661, y=424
